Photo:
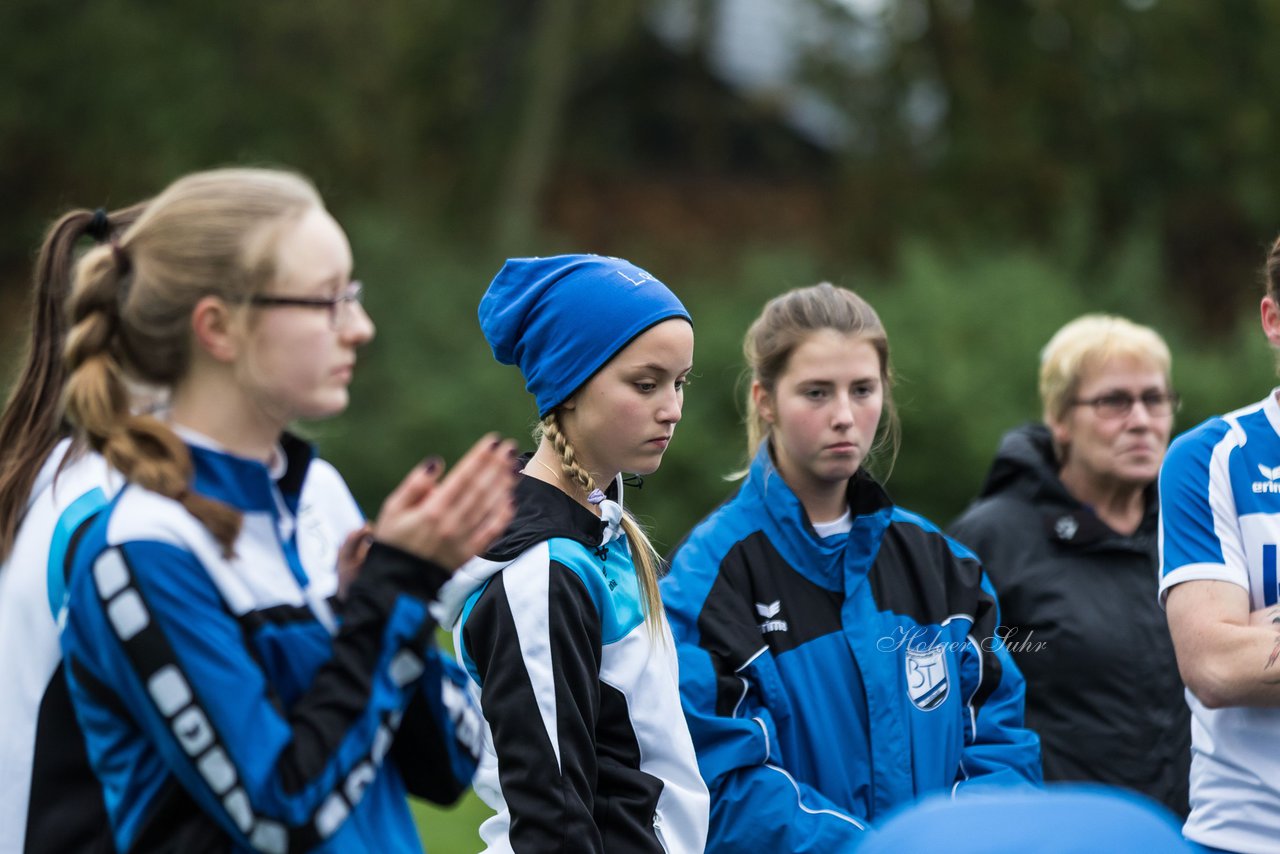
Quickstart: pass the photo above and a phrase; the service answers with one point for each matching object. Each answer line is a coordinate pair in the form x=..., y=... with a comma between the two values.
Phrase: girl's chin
x=643, y=467
x=331, y=406
x=842, y=471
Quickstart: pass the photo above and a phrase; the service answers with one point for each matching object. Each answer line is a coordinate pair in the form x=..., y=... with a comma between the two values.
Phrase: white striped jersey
x=1220, y=520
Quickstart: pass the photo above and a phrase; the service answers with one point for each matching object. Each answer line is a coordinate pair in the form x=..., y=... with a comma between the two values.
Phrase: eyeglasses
x=1118, y=404
x=341, y=308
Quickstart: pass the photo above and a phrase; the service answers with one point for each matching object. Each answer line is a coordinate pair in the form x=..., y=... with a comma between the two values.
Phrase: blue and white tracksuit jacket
x=224, y=704
x=828, y=681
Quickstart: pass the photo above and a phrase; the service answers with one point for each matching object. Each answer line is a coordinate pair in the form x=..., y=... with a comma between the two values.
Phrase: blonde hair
x=643, y=554
x=1086, y=343
x=785, y=323
x=208, y=234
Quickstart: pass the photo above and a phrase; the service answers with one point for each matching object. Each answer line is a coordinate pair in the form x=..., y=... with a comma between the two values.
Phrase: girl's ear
x=763, y=402
x=570, y=404
x=214, y=329
x=1271, y=320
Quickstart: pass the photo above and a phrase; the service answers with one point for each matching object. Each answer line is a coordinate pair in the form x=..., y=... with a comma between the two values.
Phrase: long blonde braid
x=643, y=555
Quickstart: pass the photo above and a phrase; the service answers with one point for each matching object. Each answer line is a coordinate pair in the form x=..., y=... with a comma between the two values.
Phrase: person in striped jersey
x=1218, y=538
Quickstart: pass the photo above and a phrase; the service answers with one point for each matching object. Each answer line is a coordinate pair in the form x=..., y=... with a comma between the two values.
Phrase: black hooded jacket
x=1084, y=624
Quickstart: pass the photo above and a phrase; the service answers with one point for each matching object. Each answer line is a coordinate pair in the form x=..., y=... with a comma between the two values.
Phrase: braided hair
x=643, y=555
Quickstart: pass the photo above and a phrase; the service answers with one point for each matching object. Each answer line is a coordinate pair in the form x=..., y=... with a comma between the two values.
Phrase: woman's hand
x=449, y=518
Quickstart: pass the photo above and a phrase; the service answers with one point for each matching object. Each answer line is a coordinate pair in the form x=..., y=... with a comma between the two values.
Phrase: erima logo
x=1269, y=485
x=767, y=612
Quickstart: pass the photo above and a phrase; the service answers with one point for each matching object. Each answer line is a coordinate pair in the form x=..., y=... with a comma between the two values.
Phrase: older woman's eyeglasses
x=1118, y=404
x=341, y=308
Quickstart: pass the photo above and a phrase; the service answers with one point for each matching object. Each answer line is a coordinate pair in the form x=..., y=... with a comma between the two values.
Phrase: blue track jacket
x=827, y=681
x=225, y=705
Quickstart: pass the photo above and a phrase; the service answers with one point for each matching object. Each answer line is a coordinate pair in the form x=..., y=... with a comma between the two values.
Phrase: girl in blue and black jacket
x=559, y=623
x=230, y=697
x=838, y=654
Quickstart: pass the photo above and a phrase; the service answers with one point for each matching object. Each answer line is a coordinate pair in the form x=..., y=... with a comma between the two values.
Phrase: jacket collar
x=832, y=562
x=249, y=485
x=1026, y=465
x=545, y=512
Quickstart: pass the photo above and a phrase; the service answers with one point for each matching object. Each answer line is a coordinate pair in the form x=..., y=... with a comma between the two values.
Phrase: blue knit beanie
x=560, y=319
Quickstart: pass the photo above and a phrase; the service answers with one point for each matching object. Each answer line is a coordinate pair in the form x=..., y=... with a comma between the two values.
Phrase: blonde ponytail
x=643, y=555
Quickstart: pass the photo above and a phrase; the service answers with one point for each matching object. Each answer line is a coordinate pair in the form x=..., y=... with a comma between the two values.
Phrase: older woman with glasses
x=1066, y=525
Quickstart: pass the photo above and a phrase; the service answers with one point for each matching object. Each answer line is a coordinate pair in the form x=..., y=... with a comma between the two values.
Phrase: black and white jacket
x=586, y=745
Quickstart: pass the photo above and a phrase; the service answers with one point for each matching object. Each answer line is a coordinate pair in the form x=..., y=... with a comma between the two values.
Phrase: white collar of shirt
x=835, y=527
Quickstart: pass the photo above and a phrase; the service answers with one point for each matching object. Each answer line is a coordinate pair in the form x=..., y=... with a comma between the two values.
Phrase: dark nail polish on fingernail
x=493, y=446
x=432, y=464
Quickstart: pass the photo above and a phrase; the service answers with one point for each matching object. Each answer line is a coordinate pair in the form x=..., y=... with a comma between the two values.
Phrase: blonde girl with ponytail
x=559, y=623
x=231, y=694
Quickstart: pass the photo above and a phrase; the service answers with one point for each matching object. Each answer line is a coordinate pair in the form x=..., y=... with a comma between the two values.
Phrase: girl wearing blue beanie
x=560, y=624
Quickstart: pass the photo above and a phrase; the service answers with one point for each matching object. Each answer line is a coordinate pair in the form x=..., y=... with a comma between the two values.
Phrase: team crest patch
x=927, y=680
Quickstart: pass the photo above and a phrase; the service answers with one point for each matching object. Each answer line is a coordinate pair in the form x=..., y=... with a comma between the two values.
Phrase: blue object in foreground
x=1067, y=819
